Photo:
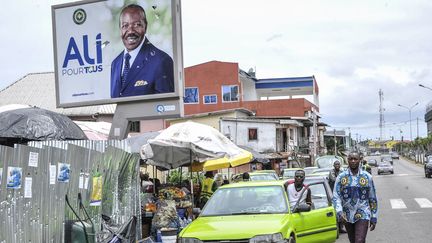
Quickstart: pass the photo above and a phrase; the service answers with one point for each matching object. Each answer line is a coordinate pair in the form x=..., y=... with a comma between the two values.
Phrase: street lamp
x=426, y=87
x=409, y=109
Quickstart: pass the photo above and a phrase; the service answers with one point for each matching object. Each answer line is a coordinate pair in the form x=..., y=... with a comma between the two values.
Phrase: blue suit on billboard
x=151, y=73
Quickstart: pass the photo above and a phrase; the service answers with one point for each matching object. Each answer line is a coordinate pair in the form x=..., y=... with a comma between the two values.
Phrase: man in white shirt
x=295, y=190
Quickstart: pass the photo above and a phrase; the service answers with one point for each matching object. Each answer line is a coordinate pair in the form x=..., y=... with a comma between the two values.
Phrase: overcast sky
x=352, y=47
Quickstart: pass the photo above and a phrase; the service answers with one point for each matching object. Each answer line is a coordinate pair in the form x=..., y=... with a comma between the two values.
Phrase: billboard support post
x=135, y=111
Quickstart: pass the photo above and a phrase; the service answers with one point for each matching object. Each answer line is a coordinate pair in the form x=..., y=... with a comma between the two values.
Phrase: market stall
x=186, y=145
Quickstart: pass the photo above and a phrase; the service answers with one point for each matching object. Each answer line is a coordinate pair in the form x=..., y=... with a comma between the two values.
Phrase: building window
x=230, y=93
x=134, y=126
x=253, y=134
x=291, y=134
x=210, y=99
x=191, y=96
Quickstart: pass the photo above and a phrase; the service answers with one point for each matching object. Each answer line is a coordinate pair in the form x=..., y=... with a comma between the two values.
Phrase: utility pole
x=335, y=142
x=315, y=136
x=417, y=128
x=348, y=144
x=409, y=109
x=381, y=112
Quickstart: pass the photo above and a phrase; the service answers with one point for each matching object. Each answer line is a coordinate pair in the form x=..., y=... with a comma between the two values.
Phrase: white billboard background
x=80, y=83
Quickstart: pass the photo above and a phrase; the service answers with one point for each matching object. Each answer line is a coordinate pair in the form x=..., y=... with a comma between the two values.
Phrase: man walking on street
x=355, y=200
x=333, y=174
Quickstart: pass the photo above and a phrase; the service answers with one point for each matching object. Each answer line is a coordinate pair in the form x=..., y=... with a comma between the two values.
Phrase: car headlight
x=273, y=238
x=188, y=240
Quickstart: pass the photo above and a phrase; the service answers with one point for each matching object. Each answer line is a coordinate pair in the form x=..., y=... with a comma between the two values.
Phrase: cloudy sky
x=353, y=48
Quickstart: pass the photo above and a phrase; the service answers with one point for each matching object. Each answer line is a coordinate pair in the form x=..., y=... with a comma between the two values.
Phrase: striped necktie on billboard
x=125, y=70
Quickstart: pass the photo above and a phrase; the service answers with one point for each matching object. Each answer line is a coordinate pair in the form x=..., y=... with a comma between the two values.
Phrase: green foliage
x=175, y=178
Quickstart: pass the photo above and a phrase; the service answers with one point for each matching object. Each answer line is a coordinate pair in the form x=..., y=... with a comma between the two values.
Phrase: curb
x=412, y=161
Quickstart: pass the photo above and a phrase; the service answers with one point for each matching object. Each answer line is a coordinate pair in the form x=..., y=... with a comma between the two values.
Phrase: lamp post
x=426, y=87
x=409, y=109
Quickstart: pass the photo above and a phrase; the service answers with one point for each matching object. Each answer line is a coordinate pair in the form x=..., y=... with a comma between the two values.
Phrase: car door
x=319, y=224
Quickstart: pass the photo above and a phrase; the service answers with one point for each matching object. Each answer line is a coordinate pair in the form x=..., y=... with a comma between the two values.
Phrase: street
x=405, y=205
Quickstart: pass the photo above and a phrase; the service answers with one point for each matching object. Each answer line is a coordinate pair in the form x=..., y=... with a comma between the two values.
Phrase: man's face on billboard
x=132, y=27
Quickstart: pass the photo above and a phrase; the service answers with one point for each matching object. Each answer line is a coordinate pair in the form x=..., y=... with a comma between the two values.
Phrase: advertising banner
x=114, y=51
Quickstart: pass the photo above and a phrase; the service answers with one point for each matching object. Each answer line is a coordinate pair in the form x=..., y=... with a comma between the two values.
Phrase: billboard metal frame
x=177, y=41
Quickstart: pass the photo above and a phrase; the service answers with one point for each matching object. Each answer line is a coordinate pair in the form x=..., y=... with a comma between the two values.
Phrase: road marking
x=424, y=202
x=412, y=212
x=397, y=204
x=396, y=175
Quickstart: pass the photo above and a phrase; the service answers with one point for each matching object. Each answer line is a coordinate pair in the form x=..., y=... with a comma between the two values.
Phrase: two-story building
x=272, y=116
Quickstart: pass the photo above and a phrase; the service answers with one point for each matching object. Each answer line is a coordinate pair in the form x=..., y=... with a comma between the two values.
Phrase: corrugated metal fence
x=32, y=189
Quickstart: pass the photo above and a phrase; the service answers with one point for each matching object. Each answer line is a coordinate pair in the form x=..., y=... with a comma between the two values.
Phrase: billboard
x=114, y=51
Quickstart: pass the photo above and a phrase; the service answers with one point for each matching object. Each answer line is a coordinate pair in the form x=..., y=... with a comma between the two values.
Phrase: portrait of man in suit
x=142, y=68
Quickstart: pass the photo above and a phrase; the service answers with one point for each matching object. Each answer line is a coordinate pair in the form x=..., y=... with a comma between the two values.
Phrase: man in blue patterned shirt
x=355, y=200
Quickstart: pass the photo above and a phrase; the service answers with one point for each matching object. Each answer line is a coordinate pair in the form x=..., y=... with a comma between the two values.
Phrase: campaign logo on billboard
x=79, y=16
x=77, y=54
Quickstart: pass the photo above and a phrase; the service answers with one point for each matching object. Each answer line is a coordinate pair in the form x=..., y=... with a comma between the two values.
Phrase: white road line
x=397, y=204
x=424, y=202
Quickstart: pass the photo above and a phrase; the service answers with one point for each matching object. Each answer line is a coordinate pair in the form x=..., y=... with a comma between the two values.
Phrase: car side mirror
x=302, y=207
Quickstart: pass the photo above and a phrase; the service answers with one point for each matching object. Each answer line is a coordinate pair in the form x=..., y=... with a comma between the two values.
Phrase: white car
x=385, y=167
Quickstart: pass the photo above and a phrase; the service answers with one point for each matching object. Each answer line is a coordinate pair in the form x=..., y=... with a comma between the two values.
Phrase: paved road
x=405, y=206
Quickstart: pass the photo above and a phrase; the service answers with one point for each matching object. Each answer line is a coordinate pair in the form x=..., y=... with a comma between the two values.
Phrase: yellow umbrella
x=215, y=164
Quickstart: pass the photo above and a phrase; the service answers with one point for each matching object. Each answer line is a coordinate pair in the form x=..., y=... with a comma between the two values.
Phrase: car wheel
x=291, y=239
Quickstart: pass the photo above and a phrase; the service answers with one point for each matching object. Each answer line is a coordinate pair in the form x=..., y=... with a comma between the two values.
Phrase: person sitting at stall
x=208, y=186
x=146, y=184
x=186, y=186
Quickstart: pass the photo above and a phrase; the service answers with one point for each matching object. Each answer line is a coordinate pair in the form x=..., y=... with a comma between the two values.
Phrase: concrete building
x=219, y=94
x=428, y=118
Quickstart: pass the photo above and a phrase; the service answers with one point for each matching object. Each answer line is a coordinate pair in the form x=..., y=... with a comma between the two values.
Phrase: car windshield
x=289, y=173
x=309, y=170
x=263, y=177
x=246, y=200
x=326, y=161
x=323, y=170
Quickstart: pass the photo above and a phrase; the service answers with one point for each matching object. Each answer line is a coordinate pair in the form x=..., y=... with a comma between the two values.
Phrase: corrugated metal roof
x=38, y=89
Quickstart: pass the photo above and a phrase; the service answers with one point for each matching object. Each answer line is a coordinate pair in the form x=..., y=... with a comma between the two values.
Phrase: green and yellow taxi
x=259, y=211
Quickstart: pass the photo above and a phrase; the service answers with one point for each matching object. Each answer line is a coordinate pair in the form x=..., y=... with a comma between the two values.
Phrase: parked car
x=385, y=167
x=372, y=162
x=263, y=209
x=327, y=161
x=428, y=167
x=387, y=157
x=395, y=155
